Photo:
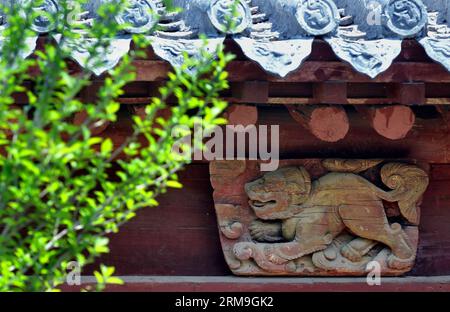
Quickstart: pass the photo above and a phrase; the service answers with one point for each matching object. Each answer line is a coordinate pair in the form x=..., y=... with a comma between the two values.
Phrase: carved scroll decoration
x=319, y=218
x=371, y=54
x=406, y=18
x=371, y=57
x=45, y=11
x=230, y=17
x=173, y=50
x=437, y=43
x=318, y=17
x=277, y=57
x=270, y=49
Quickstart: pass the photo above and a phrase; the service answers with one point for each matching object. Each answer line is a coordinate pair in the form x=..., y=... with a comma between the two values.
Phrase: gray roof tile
x=278, y=34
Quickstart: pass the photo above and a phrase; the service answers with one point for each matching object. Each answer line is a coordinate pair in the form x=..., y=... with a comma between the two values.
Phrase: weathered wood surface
x=412, y=65
x=427, y=141
x=244, y=115
x=311, y=71
x=393, y=122
x=413, y=79
x=185, y=224
x=280, y=284
x=315, y=217
x=179, y=237
x=329, y=124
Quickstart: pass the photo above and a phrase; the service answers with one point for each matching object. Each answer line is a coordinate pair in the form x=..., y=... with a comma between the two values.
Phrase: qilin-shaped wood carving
x=311, y=217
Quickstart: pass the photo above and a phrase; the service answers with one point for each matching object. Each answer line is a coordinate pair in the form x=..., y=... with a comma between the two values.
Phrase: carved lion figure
x=298, y=217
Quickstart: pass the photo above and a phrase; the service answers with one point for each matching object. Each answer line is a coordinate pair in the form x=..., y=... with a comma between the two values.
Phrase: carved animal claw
x=350, y=253
x=264, y=255
x=397, y=263
x=265, y=232
x=244, y=251
x=272, y=256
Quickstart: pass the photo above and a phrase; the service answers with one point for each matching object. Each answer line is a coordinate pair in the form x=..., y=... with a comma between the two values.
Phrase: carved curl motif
x=370, y=57
x=139, y=16
x=333, y=224
x=278, y=57
x=224, y=14
x=406, y=18
x=318, y=17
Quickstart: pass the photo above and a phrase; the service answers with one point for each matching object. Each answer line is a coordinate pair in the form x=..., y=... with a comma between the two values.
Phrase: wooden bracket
x=251, y=92
x=330, y=92
x=411, y=93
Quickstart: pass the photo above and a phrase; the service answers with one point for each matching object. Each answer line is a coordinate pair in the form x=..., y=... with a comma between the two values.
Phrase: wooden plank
x=180, y=237
x=437, y=101
x=185, y=224
x=244, y=115
x=330, y=92
x=351, y=101
x=251, y=92
x=22, y=99
x=187, y=284
x=322, y=71
x=427, y=141
x=311, y=71
x=411, y=93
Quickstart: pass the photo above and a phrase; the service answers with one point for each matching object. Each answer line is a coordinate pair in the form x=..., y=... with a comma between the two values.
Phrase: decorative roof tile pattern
x=277, y=34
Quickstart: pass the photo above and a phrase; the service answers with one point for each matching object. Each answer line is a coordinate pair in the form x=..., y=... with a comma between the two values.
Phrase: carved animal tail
x=408, y=183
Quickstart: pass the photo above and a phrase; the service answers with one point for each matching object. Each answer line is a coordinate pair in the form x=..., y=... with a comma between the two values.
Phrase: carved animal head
x=278, y=193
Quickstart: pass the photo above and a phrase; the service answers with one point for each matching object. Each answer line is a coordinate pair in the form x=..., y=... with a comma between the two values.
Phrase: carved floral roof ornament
x=405, y=18
x=43, y=23
x=228, y=17
x=139, y=17
x=318, y=17
x=278, y=34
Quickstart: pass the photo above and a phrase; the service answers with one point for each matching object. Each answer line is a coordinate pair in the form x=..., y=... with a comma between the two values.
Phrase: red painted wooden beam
x=245, y=284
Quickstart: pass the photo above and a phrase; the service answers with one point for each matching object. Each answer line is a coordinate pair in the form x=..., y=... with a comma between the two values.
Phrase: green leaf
x=114, y=280
x=174, y=184
x=61, y=194
x=106, y=147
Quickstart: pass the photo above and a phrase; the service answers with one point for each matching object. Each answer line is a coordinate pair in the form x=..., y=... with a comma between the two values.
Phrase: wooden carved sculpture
x=333, y=225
